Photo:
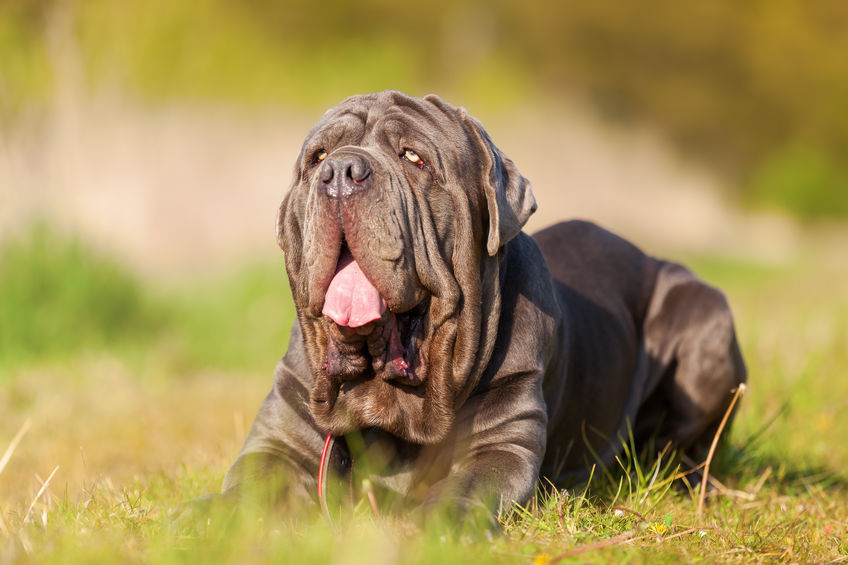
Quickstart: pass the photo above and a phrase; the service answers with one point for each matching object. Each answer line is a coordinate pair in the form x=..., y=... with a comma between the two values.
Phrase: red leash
x=322, y=474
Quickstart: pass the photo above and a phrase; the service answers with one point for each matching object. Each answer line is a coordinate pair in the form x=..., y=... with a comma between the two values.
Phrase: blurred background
x=165, y=131
x=145, y=145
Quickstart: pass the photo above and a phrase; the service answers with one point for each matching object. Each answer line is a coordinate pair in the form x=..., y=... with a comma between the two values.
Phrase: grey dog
x=477, y=357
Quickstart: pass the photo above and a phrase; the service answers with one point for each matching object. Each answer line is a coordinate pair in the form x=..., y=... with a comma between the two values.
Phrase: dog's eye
x=320, y=155
x=413, y=158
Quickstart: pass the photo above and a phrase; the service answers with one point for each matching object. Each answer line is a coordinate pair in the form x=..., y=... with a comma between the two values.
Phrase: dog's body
x=482, y=358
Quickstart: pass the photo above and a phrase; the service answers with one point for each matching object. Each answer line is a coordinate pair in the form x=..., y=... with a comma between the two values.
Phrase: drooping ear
x=509, y=196
x=281, y=218
x=284, y=203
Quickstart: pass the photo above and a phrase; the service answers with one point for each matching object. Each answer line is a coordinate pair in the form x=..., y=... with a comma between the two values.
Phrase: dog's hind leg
x=692, y=350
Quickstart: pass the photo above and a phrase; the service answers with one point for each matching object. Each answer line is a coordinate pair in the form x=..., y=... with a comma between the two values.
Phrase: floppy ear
x=281, y=212
x=509, y=197
x=281, y=218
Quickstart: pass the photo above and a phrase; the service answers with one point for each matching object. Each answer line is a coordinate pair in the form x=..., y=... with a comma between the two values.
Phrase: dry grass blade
x=40, y=492
x=657, y=466
x=692, y=467
x=739, y=391
x=13, y=445
x=733, y=493
x=4, y=527
x=372, y=498
x=762, y=480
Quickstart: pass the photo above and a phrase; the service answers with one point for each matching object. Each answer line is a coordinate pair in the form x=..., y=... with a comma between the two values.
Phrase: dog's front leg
x=500, y=446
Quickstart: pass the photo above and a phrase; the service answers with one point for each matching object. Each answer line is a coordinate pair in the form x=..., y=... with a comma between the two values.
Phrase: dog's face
x=392, y=230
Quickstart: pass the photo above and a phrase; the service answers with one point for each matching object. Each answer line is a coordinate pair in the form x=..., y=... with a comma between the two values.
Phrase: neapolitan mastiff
x=476, y=357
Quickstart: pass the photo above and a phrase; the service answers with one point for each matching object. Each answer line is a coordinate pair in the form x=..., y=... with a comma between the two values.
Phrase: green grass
x=61, y=298
x=144, y=411
x=58, y=299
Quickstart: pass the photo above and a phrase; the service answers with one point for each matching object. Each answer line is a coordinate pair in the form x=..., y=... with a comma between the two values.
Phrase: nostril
x=358, y=170
x=325, y=175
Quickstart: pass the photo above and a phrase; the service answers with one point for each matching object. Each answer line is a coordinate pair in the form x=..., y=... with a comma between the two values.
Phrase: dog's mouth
x=364, y=337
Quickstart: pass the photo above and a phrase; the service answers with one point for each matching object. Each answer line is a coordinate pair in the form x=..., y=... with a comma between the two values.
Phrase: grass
x=136, y=413
x=61, y=299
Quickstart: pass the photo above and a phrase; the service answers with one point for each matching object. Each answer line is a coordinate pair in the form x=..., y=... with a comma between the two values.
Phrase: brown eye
x=320, y=155
x=413, y=158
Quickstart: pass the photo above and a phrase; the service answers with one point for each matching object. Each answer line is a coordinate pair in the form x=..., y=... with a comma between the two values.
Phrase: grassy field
x=122, y=398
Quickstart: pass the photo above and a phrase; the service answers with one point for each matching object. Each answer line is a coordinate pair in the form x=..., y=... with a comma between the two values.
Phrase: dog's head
x=392, y=232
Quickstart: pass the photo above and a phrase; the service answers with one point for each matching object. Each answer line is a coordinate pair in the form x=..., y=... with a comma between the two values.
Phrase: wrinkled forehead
x=367, y=117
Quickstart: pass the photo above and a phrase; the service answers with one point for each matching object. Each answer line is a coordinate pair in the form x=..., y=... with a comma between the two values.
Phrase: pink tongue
x=352, y=300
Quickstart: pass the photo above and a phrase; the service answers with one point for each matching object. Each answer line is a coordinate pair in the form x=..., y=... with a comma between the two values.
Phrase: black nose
x=344, y=174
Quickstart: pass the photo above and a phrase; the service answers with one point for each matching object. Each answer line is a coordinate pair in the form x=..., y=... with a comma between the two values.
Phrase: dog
x=477, y=358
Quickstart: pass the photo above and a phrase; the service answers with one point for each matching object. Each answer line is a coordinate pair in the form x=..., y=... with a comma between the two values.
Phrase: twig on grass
x=615, y=540
x=733, y=493
x=629, y=537
x=13, y=445
x=692, y=467
x=687, y=531
x=700, y=529
x=624, y=509
x=739, y=391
